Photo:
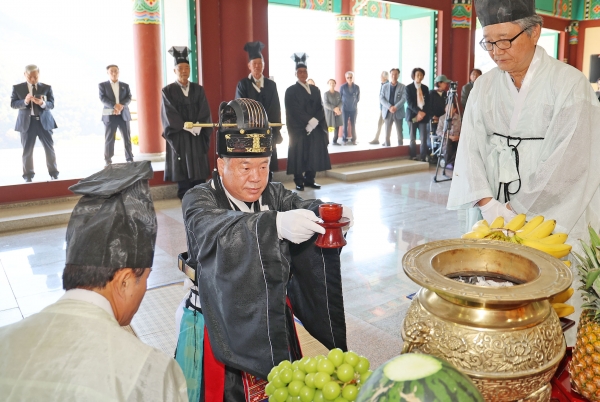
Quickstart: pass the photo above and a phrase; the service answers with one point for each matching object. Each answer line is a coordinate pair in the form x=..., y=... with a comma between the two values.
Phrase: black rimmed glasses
x=501, y=44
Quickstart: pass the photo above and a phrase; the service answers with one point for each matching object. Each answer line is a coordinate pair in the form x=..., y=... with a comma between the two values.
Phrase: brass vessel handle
x=411, y=341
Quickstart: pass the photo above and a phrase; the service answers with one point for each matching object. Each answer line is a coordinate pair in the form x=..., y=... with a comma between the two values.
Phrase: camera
x=453, y=85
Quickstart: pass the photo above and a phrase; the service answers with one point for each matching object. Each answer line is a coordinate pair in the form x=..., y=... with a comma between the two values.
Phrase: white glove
x=347, y=213
x=312, y=123
x=494, y=209
x=297, y=225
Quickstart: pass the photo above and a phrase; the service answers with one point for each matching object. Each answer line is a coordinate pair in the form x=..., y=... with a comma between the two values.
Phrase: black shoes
x=299, y=188
x=54, y=176
x=314, y=185
x=27, y=179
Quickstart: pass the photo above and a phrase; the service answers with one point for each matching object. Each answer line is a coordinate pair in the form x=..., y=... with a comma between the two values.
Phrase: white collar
x=417, y=85
x=113, y=83
x=90, y=297
x=261, y=79
x=305, y=85
x=240, y=204
x=183, y=86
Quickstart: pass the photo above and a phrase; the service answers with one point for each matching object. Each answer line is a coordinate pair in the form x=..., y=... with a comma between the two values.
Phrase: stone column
x=148, y=73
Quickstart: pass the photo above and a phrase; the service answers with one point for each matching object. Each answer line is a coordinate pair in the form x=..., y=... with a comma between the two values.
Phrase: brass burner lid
x=540, y=276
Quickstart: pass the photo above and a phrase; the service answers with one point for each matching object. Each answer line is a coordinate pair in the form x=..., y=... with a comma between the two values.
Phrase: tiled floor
x=392, y=215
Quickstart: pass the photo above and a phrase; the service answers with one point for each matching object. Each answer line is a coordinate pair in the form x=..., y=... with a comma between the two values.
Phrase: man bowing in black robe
x=187, y=149
x=262, y=89
x=307, y=128
x=251, y=243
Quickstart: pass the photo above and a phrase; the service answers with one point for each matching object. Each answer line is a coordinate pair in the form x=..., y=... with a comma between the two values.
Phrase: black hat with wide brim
x=492, y=12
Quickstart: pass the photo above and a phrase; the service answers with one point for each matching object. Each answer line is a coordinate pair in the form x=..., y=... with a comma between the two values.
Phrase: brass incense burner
x=508, y=340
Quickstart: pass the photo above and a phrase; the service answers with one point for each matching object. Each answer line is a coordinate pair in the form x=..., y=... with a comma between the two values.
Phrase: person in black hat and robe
x=187, y=148
x=252, y=244
x=264, y=90
x=76, y=349
x=307, y=129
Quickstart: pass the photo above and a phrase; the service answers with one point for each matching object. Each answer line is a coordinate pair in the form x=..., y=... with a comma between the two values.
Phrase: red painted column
x=148, y=73
x=225, y=27
x=344, y=43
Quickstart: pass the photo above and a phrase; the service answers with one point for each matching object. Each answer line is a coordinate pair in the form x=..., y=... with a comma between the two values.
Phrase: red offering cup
x=331, y=214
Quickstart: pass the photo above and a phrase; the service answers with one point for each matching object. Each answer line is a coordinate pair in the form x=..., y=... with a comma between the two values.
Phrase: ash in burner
x=483, y=281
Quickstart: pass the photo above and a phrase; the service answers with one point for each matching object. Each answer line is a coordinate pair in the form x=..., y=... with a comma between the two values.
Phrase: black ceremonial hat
x=254, y=50
x=180, y=53
x=492, y=12
x=251, y=137
x=300, y=60
x=114, y=224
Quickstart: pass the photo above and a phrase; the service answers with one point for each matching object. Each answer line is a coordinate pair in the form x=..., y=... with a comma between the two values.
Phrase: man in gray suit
x=392, y=98
x=34, y=101
x=115, y=96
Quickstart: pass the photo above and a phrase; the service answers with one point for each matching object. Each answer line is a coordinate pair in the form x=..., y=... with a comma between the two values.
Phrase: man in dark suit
x=34, y=101
x=115, y=96
x=262, y=89
x=417, y=113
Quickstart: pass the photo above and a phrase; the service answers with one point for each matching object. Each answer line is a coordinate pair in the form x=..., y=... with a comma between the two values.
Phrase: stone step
x=376, y=170
x=57, y=211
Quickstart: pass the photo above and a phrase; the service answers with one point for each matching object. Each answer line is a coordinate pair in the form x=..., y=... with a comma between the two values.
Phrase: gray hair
x=385, y=74
x=528, y=23
x=30, y=68
x=349, y=72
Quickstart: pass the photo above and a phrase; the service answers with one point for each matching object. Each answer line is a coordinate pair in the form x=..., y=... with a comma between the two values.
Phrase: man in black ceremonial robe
x=252, y=244
x=187, y=148
x=260, y=88
x=307, y=129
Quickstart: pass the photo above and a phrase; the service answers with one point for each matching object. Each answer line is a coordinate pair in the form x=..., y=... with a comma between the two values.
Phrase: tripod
x=443, y=141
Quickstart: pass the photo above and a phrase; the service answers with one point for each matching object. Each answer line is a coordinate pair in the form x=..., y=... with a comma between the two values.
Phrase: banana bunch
x=558, y=303
x=537, y=233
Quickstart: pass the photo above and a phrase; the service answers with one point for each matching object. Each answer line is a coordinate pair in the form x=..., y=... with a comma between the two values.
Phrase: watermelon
x=416, y=377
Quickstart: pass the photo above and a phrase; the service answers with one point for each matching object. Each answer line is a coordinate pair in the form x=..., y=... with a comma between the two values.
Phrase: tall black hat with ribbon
x=492, y=12
x=300, y=60
x=244, y=130
x=180, y=54
x=254, y=50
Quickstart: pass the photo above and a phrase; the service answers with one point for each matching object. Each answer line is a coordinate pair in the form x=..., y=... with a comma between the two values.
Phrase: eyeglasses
x=501, y=44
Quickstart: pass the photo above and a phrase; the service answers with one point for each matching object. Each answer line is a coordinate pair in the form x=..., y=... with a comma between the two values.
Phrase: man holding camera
x=438, y=97
x=34, y=101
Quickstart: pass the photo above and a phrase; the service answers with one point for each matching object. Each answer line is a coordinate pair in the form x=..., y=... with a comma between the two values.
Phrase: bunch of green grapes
x=335, y=377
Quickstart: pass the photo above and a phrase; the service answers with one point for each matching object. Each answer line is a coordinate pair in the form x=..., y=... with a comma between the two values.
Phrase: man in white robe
x=531, y=131
x=75, y=349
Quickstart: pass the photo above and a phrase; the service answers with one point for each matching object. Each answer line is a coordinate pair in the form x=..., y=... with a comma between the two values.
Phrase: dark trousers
x=351, y=117
x=336, y=134
x=379, y=125
x=28, y=142
x=304, y=180
x=184, y=185
x=422, y=127
x=110, y=129
x=450, y=154
x=389, y=120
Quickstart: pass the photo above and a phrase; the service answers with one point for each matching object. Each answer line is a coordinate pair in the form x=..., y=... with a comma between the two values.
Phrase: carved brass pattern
x=506, y=365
